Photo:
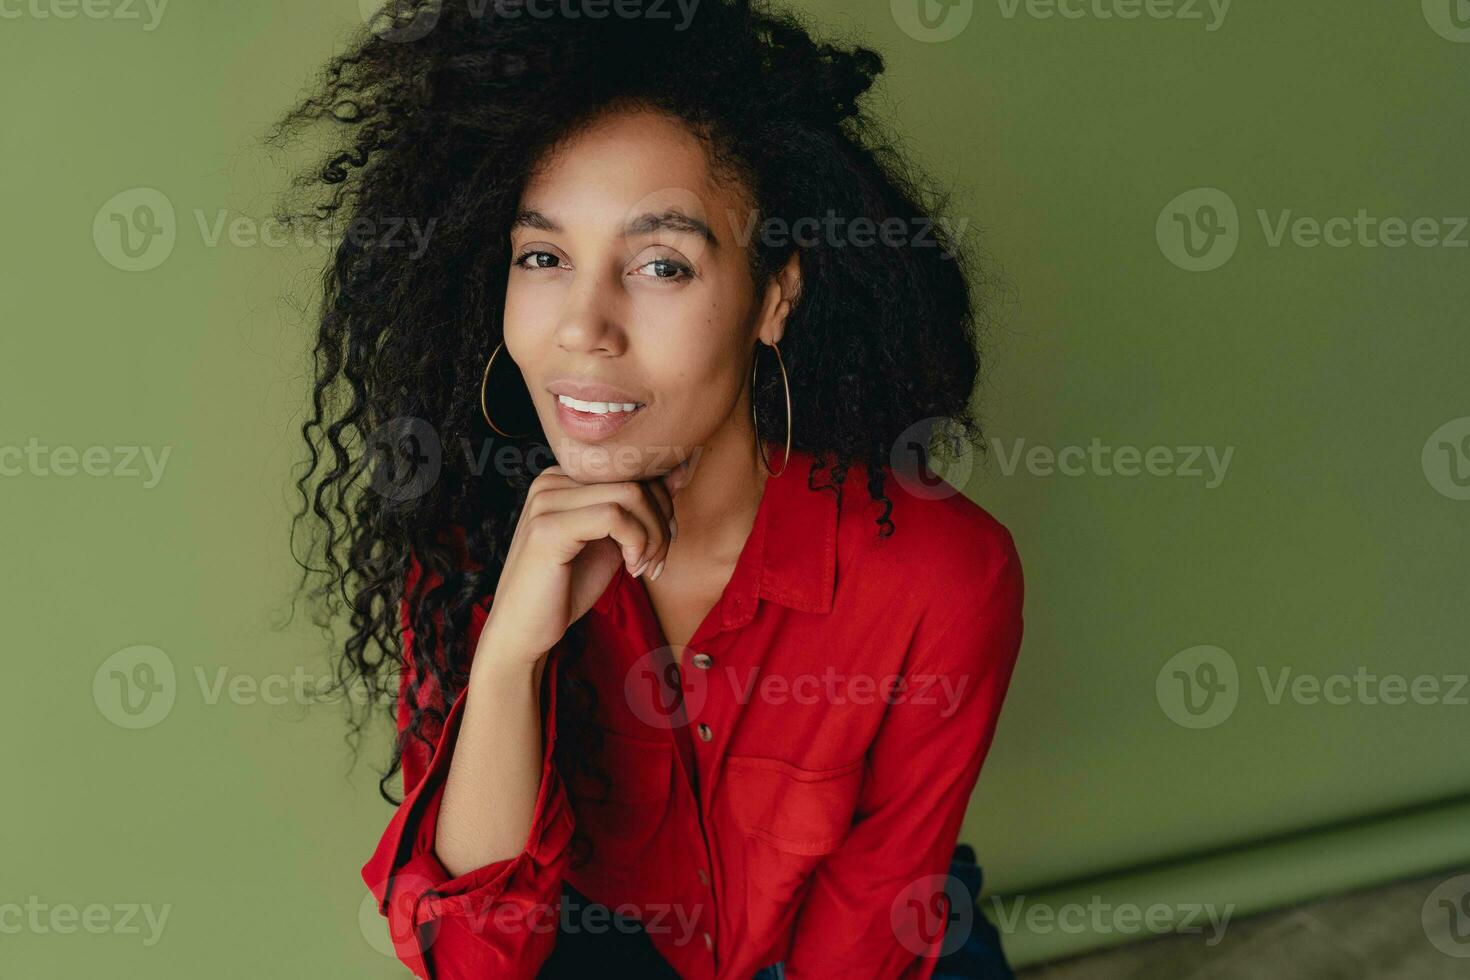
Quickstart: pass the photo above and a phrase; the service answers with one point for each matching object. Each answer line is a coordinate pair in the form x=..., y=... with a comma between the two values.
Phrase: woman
x=690, y=674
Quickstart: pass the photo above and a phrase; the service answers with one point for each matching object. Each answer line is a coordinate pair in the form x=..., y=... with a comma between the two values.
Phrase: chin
x=604, y=462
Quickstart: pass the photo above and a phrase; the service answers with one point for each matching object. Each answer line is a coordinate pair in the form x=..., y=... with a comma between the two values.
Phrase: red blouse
x=793, y=790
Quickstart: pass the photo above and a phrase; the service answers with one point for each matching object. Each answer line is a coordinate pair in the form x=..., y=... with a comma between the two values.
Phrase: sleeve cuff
x=413, y=887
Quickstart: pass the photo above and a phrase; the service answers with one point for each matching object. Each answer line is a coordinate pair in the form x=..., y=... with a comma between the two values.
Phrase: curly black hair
x=436, y=115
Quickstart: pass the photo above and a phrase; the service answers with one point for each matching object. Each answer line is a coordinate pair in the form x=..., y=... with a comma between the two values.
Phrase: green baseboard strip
x=1202, y=897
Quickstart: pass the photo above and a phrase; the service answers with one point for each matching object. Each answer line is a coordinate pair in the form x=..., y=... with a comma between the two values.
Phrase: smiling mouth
x=589, y=421
x=598, y=408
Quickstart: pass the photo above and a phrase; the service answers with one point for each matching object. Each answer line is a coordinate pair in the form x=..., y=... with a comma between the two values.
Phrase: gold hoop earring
x=484, y=410
x=785, y=383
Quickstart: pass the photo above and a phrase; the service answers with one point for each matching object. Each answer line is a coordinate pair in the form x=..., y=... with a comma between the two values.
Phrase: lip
x=590, y=426
x=590, y=392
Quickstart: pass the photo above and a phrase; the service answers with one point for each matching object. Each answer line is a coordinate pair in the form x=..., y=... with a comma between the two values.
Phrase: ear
x=780, y=299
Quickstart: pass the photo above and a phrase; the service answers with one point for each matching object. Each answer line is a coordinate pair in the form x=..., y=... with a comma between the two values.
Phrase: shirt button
x=705, y=732
x=704, y=877
x=702, y=661
x=709, y=942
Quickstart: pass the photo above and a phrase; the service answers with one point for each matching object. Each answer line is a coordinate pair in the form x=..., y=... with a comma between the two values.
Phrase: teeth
x=601, y=408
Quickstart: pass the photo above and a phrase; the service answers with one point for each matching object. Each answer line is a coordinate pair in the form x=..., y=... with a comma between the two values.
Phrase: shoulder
x=947, y=553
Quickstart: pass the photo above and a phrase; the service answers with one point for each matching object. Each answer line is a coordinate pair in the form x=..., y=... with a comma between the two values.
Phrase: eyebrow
x=668, y=220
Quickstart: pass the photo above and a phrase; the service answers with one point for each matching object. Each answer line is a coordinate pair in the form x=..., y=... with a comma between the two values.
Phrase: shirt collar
x=790, y=557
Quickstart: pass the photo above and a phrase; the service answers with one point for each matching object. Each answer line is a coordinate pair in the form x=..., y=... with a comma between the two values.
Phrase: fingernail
x=656, y=570
x=639, y=570
x=673, y=529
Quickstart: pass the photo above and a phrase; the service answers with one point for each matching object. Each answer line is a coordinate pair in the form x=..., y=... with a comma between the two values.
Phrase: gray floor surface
x=1403, y=931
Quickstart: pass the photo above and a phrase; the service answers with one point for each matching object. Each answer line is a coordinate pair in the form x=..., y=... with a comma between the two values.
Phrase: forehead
x=632, y=162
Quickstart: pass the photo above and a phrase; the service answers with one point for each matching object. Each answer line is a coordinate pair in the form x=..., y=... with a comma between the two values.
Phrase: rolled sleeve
x=496, y=920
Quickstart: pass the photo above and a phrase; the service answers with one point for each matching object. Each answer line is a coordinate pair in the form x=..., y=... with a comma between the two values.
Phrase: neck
x=716, y=509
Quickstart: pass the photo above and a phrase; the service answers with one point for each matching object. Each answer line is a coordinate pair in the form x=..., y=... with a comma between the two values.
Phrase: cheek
x=700, y=369
x=524, y=322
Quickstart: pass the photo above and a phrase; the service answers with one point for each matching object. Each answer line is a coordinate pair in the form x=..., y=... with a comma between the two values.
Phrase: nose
x=591, y=316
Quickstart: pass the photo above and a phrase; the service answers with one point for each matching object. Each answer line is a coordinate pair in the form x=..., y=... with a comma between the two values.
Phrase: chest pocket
x=625, y=822
x=791, y=817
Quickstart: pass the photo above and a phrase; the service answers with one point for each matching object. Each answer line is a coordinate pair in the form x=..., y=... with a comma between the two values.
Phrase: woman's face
x=629, y=284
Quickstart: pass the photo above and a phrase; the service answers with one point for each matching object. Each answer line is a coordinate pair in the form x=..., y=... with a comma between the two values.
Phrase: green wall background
x=1335, y=542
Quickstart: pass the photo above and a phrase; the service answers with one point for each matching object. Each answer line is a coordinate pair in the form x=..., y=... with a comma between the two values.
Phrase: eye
x=537, y=255
x=668, y=268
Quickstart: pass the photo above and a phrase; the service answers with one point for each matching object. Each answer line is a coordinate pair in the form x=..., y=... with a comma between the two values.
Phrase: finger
x=663, y=507
x=630, y=496
x=637, y=498
x=679, y=476
x=551, y=478
x=657, y=489
x=577, y=527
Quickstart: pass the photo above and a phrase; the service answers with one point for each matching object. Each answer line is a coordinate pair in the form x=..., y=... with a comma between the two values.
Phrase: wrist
x=499, y=665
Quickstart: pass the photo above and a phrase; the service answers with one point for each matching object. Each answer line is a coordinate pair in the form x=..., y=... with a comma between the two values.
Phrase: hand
x=565, y=550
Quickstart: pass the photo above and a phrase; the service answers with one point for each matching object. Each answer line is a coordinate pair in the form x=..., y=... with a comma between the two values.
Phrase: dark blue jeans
x=978, y=957
x=580, y=953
